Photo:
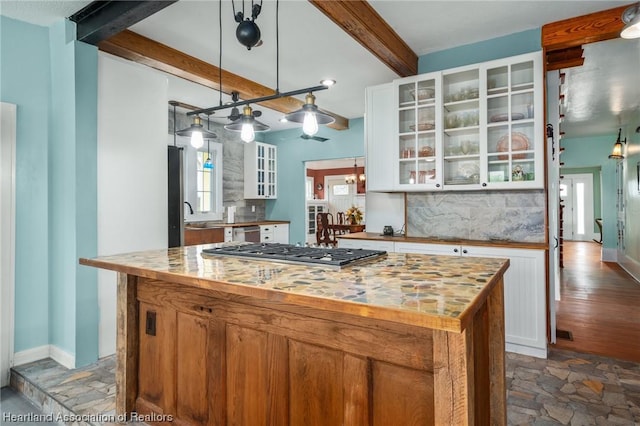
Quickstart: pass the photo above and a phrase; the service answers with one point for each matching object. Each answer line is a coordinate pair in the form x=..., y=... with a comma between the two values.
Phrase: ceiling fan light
x=327, y=82
x=631, y=17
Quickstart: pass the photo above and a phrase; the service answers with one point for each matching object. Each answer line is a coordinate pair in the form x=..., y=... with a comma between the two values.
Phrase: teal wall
x=292, y=153
x=25, y=81
x=487, y=50
x=53, y=81
x=72, y=189
x=594, y=152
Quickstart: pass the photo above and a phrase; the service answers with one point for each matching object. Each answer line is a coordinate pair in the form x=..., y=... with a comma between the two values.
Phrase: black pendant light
x=310, y=116
x=247, y=125
x=197, y=133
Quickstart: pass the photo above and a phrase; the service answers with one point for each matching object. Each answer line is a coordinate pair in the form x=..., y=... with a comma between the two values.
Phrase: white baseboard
x=30, y=355
x=632, y=267
x=526, y=350
x=62, y=357
x=609, y=254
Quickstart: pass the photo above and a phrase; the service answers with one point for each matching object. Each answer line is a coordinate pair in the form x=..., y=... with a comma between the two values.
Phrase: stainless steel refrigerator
x=175, y=205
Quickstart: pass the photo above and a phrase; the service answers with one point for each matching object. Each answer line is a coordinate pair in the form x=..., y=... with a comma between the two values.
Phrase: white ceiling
x=312, y=48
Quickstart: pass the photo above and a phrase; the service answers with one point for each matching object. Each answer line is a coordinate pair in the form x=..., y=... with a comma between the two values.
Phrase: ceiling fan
x=313, y=138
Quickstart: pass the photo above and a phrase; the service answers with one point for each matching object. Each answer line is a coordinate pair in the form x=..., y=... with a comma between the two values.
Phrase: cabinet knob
x=455, y=250
x=484, y=184
x=464, y=251
x=437, y=185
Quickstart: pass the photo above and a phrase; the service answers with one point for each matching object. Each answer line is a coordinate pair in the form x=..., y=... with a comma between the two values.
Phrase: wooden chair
x=325, y=234
x=342, y=220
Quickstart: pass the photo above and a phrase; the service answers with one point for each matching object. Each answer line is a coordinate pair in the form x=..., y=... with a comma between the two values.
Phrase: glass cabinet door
x=461, y=135
x=510, y=124
x=417, y=133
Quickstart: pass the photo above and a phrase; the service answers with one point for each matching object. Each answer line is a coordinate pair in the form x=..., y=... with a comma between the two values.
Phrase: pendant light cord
x=277, y=47
x=220, y=51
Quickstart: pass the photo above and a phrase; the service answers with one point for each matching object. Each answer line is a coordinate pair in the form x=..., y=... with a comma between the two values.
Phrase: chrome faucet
x=190, y=208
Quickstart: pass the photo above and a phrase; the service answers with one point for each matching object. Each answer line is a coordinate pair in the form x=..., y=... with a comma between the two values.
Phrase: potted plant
x=353, y=215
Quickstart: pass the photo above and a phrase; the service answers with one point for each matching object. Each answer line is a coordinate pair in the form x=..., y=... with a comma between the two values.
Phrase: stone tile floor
x=566, y=389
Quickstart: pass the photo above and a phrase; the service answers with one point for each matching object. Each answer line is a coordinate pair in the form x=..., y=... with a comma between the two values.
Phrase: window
x=341, y=189
x=203, y=187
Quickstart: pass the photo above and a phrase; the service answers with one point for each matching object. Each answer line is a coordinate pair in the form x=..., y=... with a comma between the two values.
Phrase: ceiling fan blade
x=314, y=138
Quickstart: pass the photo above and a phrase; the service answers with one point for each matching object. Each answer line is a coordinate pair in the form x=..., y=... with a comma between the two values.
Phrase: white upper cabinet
x=379, y=146
x=260, y=173
x=514, y=126
x=417, y=133
x=469, y=128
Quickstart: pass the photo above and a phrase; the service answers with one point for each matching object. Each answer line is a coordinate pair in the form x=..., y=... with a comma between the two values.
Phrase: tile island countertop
x=439, y=292
x=318, y=345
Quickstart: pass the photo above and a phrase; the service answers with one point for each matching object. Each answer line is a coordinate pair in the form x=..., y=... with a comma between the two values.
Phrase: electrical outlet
x=253, y=209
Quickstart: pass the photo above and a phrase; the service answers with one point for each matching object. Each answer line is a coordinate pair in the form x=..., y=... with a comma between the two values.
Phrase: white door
x=7, y=236
x=341, y=195
x=576, y=192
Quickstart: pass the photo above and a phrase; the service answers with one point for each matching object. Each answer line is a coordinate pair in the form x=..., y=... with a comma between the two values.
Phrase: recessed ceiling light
x=284, y=120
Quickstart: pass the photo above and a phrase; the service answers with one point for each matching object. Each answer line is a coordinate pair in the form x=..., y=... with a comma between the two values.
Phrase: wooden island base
x=208, y=357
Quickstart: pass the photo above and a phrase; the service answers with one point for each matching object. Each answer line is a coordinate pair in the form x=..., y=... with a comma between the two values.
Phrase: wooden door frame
x=562, y=48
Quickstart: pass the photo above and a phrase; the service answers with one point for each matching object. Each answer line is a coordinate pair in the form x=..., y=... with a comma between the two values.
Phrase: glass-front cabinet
x=473, y=127
x=418, y=133
x=461, y=132
x=260, y=170
x=514, y=127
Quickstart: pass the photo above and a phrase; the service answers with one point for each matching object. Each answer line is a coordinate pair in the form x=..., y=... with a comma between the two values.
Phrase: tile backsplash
x=486, y=215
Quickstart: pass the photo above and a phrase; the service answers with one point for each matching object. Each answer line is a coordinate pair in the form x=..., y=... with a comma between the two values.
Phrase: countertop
x=210, y=225
x=428, y=240
x=440, y=292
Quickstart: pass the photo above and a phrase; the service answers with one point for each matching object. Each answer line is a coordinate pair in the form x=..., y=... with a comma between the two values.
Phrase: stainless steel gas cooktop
x=287, y=253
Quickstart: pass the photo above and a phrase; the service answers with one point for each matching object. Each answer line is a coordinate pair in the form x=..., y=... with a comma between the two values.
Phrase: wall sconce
x=616, y=154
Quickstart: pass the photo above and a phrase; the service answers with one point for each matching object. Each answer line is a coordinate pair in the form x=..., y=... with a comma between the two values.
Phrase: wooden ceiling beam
x=598, y=26
x=367, y=27
x=140, y=49
x=101, y=19
x=564, y=58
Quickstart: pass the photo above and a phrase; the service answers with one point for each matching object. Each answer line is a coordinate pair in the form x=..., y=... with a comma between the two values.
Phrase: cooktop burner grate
x=288, y=253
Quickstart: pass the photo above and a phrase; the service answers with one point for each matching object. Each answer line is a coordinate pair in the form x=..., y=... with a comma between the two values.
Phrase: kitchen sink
x=200, y=225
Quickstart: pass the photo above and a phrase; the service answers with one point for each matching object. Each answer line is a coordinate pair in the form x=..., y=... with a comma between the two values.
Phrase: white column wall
x=132, y=172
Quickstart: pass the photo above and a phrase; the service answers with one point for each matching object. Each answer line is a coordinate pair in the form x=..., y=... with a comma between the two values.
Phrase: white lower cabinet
x=278, y=233
x=387, y=246
x=524, y=291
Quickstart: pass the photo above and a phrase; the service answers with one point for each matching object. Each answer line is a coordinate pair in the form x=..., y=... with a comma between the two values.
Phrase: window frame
x=190, y=170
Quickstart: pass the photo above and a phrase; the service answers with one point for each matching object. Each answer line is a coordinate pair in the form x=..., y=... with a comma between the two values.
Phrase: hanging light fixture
x=247, y=125
x=208, y=164
x=352, y=178
x=197, y=133
x=616, y=154
x=631, y=18
x=309, y=115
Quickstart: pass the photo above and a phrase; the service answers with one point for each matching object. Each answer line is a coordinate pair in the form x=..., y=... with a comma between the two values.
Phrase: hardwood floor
x=600, y=305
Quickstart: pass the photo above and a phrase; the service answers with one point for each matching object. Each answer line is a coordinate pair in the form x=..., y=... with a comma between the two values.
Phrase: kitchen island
x=405, y=339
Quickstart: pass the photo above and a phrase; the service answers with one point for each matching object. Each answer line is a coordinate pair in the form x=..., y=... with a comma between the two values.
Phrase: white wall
x=7, y=235
x=132, y=172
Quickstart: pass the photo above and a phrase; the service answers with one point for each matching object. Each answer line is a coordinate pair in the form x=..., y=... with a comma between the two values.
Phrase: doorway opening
x=330, y=188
